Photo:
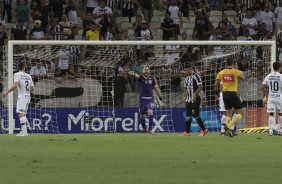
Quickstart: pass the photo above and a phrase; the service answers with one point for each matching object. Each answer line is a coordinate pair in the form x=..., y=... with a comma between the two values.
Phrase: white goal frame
x=11, y=44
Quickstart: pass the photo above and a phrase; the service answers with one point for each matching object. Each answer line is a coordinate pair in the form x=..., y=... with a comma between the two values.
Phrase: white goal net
x=94, y=93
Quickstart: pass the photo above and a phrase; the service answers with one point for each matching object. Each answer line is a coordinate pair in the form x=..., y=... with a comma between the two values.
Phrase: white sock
x=271, y=123
x=279, y=123
x=233, y=126
x=23, y=124
x=223, y=122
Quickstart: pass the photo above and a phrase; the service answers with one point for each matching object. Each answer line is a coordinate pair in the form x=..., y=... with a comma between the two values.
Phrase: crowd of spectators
x=173, y=20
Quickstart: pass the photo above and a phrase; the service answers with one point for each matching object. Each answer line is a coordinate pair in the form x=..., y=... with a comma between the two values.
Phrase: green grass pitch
x=140, y=159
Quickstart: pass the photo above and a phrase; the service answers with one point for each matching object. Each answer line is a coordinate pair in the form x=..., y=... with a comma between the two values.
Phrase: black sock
x=150, y=122
x=200, y=123
x=143, y=123
x=188, y=125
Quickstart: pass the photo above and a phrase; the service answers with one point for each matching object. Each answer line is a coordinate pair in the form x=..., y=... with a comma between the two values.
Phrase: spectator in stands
x=86, y=24
x=3, y=39
x=2, y=20
x=124, y=35
x=127, y=9
x=57, y=7
x=66, y=26
x=278, y=12
x=229, y=5
x=91, y=5
x=214, y=4
x=71, y=12
x=267, y=17
x=136, y=26
x=63, y=60
x=147, y=9
x=241, y=15
x=263, y=33
x=202, y=27
x=176, y=16
x=18, y=56
x=104, y=24
x=94, y=33
x=168, y=26
x=184, y=53
x=149, y=56
x=102, y=9
x=38, y=16
x=256, y=9
x=37, y=32
x=46, y=11
x=144, y=34
x=111, y=33
x=176, y=70
x=258, y=69
x=244, y=66
x=22, y=12
x=225, y=33
x=204, y=8
x=184, y=7
x=208, y=80
x=56, y=29
x=38, y=71
x=19, y=31
x=250, y=23
x=7, y=7
x=225, y=20
x=171, y=52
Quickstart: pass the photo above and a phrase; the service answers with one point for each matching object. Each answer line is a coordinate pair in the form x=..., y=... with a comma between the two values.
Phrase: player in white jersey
x=24, y=83
x=274, y=97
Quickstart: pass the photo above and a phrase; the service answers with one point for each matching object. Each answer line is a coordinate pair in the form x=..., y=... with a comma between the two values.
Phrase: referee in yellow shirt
x=229, y=79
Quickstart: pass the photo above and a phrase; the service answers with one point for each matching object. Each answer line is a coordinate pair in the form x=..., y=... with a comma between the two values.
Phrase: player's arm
x=240, y=75
x=217, y=84
x=264, y=91
x=14, y=86
x=157, y=90
x=200, y=86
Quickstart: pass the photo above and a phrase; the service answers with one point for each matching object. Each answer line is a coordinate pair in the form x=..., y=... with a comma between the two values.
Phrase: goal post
x=160, y=63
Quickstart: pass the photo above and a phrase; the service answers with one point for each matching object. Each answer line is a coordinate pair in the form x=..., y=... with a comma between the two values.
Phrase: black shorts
x=232, y=100
x=193, y=108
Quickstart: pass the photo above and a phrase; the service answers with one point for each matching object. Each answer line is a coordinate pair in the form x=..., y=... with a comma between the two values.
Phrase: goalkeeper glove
x=131, y=73
x=264, y=100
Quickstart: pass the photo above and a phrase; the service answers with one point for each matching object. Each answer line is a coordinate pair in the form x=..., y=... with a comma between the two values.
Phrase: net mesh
x=96, y=90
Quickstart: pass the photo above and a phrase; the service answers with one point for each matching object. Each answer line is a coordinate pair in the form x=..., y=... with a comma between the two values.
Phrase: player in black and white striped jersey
x=193, y=86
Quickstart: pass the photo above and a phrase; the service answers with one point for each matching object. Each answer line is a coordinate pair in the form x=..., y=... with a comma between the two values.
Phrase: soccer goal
x=96, y=94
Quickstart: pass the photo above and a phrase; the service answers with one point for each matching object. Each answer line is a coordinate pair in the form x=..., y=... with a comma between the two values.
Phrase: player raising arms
x=193, y=86
x=229, y=79
x=148, y=83
x=274, y=98
x=24, y=83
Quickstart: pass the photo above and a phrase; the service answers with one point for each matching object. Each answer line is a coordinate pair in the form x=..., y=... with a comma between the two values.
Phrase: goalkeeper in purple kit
x=148, y=83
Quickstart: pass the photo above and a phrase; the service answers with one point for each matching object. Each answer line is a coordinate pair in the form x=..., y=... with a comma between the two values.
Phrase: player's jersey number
x=26, y=86
x=274, y=86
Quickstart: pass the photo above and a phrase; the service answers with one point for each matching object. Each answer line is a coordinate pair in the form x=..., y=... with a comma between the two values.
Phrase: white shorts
x=221, y=103
x=22, y=105
x=274, y=105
